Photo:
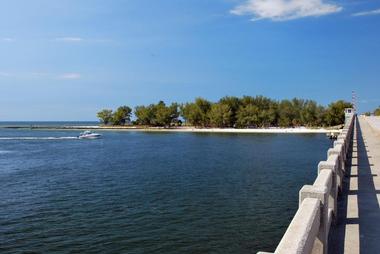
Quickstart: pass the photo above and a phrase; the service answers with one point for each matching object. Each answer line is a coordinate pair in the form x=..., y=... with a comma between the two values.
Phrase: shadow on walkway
x=358, y=226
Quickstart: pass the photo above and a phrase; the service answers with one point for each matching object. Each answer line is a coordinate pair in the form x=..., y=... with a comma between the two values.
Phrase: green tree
x=161, y=114
x=321, y=116
x=270, y=115
x=197, y=113
x=335, y=112
x=122, y=115
x=377, y=111
x=268, y=111
x=297, y=107
x=157, y=114
x=248, y=116
x=105, y=116
x=220, y=115
x=286, y=113
x=165, y=115
x=229, y=111
x=233, y=104
x=309, y=113
x=144, y=115
x=174, y=114
x=191, y=114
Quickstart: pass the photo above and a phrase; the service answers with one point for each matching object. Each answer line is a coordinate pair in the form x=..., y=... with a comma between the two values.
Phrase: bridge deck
x=358, y=227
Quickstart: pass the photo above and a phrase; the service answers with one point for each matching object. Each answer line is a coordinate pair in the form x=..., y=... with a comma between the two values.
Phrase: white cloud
x=281, y=10
x=70, y=76
x=4, y=74
x=69, y=39
x=79, y=39
x=41, y=75
x=367, y=13
x=7, y=39
x=365, y=101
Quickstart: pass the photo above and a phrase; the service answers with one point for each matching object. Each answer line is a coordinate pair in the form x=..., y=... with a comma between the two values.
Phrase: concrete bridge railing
x=308, y=231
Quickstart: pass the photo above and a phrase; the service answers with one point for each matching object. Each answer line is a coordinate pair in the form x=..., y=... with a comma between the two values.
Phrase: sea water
x=136, y=192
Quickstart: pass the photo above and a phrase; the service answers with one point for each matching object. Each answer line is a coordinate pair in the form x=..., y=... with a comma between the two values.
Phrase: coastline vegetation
x=230, y=112
x=377, y=111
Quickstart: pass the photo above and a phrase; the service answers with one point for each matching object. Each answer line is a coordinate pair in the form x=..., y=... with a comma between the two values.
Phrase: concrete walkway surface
x=374, y=122
x=358, y=226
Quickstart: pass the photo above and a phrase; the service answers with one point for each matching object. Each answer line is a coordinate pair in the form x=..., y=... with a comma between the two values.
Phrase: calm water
x=133, y=192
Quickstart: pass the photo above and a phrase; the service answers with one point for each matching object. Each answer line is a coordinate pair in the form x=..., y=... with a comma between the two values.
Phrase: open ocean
x=136, y=192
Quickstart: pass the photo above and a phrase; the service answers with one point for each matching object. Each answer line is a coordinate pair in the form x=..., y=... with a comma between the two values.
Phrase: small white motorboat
x=89, y=135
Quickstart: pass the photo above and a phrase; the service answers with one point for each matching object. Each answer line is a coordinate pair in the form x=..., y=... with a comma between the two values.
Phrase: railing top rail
x=314, y=212
x=324, y=179
x=300, y=235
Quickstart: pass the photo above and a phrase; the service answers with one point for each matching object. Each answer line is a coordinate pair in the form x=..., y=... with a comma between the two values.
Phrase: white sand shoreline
x=232, y=130
x=273, y=130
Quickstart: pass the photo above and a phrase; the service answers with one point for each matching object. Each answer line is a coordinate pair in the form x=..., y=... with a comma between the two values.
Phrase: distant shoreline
x=295, y=130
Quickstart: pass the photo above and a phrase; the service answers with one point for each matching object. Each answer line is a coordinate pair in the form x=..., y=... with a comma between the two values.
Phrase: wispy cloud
x=41, y=75
x=282, y=10
x=72, y=75
x=7, y=39
x=81, y=39
x=69, y=39
x=4, y=74
x=367, y=13
x=366, y=101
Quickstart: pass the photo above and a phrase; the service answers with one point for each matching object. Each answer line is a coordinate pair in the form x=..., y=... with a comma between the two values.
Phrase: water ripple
x=142, y=193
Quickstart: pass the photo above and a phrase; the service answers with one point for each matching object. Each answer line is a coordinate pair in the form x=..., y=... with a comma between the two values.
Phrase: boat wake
x=38, y=138
x=5, y=152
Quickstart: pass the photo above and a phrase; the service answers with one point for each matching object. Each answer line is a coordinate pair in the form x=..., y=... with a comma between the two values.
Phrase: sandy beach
x=232, y=130
x=265, y=130
x=296, y=130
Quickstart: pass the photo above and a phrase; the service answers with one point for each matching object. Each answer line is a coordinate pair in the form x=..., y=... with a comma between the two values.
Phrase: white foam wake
x=38, y=138
x=5, y=152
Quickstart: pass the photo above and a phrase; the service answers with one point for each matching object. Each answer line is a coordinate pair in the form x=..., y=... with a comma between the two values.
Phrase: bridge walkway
x=358, y=226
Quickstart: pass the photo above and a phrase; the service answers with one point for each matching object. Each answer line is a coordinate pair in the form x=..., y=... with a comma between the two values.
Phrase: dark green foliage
x=105, y=116
x=161, y=114
x=220, y=115
x=377, y=111
x=245, y=112
x=248, y=116
x=165, y=115
x=197, y=113
x=157, y=114
x=122, y=115
x=286, y=114
x=145, y=115
x=335, y=112
x=233, y=104
x=257, y=111
x=311, y=114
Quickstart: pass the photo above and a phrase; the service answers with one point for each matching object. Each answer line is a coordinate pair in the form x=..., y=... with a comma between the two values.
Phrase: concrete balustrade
x=332, y=164
x=338, y=150
x=321, y=194
x=341, y=141
x=302, y=231
x=317, y=212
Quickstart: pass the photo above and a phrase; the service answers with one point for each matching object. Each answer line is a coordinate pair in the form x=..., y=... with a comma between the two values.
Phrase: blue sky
x=67, y=59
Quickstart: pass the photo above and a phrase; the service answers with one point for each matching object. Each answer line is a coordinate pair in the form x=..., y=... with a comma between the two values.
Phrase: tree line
x=230, y=112
x=376, y=112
